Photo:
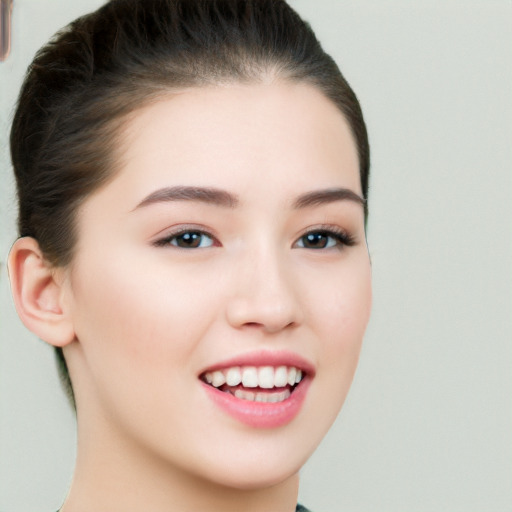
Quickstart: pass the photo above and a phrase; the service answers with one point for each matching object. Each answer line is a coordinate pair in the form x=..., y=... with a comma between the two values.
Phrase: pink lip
x=261, y=414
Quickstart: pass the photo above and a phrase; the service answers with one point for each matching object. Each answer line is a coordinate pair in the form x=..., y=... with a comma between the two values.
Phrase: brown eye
x=316, y=240
x=188, y=240
x=324, y=239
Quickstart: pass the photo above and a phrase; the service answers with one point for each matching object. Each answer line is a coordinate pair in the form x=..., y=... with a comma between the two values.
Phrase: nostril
x=263, y=312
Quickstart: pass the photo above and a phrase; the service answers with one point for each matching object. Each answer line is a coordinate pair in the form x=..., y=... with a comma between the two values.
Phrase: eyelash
x=184, y=231
x=341, y=238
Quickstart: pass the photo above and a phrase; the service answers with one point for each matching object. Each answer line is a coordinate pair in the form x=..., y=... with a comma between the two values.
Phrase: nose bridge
x=265, y=294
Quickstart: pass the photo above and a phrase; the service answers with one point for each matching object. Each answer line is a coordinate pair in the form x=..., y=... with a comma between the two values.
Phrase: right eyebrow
x=215, y=196
x=330, y=195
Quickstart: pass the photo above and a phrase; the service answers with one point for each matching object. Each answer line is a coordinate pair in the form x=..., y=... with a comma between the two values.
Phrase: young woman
x=192, y=181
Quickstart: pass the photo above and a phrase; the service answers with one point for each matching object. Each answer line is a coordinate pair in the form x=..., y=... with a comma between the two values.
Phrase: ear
x=38, y=291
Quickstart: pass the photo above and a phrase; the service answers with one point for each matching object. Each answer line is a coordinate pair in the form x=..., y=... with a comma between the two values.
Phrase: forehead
x=238, y=136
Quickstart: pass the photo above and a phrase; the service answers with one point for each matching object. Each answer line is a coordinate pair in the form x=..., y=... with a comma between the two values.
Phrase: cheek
x=133, y=321
x=341, y=317
x=338, y=314
x=138, y=331
x=343, y=308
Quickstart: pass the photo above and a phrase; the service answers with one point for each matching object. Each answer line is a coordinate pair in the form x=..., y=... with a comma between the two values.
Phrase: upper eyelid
x=184, y=228
x=335, y=229
x=169, y=233
x=332, y=229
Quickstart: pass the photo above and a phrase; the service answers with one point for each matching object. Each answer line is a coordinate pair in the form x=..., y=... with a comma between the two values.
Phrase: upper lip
x=265, y=358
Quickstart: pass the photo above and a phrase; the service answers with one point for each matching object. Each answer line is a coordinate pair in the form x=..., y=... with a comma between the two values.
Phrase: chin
x=263, y=464
x=256, y=478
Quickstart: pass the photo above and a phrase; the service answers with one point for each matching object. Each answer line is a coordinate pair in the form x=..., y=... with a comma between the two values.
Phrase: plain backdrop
x=427, y=426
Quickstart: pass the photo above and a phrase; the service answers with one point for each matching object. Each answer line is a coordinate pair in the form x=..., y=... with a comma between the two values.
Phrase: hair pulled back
x=106, y=64
x=91, y=75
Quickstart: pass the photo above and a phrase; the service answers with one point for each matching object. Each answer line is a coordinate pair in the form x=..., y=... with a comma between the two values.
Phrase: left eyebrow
x=330, y=195
x=207, y=195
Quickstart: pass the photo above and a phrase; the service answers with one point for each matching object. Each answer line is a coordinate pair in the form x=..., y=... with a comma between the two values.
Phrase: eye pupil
x=189, y=239
x=315, y=240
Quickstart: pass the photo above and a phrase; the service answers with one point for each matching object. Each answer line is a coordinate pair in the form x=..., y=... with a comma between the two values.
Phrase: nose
x=265, y=295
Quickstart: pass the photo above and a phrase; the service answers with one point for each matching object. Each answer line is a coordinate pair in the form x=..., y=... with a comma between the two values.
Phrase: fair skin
x=143, y=316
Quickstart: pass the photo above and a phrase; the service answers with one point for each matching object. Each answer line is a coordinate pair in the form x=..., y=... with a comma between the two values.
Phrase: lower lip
x=260, y=414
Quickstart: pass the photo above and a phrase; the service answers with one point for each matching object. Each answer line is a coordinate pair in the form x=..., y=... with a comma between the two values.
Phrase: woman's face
x=230, y=245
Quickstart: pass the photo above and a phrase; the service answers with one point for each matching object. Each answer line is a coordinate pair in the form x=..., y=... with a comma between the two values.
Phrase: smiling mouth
x=267, y=384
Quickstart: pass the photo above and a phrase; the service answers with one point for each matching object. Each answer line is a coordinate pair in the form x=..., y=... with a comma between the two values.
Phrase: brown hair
x=91, y=75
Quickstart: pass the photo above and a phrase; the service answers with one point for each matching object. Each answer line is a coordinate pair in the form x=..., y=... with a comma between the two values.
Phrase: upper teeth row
x=252, y=377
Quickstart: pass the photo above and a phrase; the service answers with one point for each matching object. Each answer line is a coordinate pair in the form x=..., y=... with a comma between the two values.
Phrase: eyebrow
x=225, y=199
x=208, y=195
x=330, y=195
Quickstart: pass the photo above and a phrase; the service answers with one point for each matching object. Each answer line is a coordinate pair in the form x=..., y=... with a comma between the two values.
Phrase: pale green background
x=428, y=424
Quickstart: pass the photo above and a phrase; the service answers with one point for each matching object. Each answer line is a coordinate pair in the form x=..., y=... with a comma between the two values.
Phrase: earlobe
x=37, y=288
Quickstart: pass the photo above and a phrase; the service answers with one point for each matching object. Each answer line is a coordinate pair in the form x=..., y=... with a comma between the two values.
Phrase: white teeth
x=280, y=377
x=218, y=379
x=250, y=377
x=285, y=394
x=234, y=376
x=266, y=377
x=244, y=395
x=262, y=397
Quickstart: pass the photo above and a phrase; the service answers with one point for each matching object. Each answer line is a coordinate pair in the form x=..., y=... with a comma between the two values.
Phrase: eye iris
x=315, y=240
x=189, y=239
